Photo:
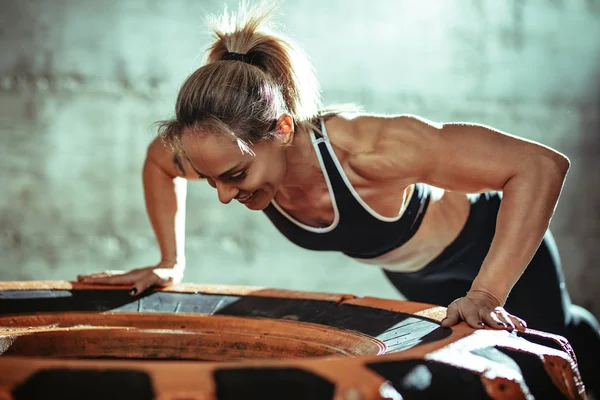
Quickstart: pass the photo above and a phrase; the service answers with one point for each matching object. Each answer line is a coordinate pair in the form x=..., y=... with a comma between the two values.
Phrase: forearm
x=165, y=198
x=527, y=206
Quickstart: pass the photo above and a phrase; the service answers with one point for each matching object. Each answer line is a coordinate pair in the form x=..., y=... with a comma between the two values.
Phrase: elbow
x=565, y=163
x=552, y=167
x=559, y=165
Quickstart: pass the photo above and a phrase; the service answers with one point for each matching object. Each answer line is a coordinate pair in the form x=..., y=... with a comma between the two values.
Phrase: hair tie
x=234, y=56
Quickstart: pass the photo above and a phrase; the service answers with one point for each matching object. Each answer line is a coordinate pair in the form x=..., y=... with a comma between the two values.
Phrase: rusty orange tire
x=69, y=340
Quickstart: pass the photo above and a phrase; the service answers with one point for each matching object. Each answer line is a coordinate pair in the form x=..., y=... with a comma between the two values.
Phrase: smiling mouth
x=246, y=198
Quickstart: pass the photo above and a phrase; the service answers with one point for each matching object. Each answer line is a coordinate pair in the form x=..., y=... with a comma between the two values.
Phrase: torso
x=444, y=219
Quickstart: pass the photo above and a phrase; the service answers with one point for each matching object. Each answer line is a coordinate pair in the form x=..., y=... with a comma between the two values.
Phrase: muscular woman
x=456, y=214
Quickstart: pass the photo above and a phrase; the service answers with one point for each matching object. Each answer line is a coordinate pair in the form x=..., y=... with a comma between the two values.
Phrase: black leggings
x=540, y=296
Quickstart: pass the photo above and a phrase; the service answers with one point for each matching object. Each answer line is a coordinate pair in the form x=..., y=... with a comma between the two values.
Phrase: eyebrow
x=230, y=170
x=223, y=175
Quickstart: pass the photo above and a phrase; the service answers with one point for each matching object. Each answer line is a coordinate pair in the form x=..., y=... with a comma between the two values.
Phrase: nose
x=226, y=192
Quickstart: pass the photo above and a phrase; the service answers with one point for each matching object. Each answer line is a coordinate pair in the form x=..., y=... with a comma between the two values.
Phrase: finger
x=452, y=317
x=82, y=278
x=492, y=320
x=504, y=317
x=519, y=323
x=103, y=274
x=472, y=318
x=124, y=279
x=143, y=284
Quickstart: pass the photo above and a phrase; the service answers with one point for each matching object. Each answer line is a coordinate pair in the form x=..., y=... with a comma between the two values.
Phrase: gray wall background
x=82, y=81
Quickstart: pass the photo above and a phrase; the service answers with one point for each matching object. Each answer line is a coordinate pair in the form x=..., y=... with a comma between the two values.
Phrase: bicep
x=472, y=158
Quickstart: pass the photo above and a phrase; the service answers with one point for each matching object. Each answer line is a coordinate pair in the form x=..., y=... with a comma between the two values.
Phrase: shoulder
x=382, y=147
x=372, y=132
x=161, y=157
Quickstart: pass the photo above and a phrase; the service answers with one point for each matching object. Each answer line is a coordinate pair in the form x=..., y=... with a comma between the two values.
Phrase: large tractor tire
x=73, y=341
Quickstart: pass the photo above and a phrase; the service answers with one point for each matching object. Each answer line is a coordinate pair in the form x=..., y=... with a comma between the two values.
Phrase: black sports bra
x=357, y=230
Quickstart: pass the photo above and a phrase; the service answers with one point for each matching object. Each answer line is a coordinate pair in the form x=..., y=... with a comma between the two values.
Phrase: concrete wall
x=81, y=83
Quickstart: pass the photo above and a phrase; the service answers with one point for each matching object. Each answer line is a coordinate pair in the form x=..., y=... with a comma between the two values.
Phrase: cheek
x=275, y=171
x=268, y=172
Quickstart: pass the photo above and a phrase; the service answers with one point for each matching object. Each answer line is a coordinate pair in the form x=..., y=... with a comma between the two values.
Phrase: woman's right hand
x=140, y=279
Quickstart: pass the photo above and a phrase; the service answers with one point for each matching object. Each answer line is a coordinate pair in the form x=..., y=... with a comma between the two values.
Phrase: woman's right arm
x=165, y=193
x=165, y=186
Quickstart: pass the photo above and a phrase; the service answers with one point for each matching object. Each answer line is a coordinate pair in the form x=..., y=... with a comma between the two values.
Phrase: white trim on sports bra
x=336, y=219
x=336, y=214
x=353, y=191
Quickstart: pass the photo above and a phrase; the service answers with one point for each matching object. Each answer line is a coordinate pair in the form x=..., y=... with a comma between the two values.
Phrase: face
x=253, y=180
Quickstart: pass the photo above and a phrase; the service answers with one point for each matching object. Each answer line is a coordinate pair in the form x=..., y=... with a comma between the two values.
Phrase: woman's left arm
x=474, y=158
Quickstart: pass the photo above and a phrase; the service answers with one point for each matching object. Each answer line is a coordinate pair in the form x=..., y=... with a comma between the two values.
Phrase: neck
x=302, y=163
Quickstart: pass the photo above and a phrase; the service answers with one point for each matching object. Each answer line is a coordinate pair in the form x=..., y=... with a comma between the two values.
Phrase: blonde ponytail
x=244, y=95
x=249, y=32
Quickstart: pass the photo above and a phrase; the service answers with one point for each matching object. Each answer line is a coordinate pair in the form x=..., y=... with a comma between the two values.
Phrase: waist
x=450, y=224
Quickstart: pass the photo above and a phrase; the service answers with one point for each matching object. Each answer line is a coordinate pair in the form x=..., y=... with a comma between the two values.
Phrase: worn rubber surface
x=68, y=340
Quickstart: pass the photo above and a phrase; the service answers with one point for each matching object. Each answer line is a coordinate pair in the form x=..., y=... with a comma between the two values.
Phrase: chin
x=257, y=207
x=261, y=202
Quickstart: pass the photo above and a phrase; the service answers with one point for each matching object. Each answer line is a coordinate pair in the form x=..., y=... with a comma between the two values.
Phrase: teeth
x=246, y=197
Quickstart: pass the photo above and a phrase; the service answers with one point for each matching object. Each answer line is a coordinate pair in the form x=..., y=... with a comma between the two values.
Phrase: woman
x=420, y=199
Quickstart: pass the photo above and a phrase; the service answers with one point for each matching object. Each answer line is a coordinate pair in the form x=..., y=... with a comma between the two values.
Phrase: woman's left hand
x=479, y=309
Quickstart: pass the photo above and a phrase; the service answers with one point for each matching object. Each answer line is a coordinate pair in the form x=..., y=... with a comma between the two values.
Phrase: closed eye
x=239, y=176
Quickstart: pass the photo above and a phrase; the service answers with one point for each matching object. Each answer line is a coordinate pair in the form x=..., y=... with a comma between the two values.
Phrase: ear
x=285, y=129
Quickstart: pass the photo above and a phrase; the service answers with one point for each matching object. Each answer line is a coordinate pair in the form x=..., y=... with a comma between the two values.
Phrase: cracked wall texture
x=81, y=83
